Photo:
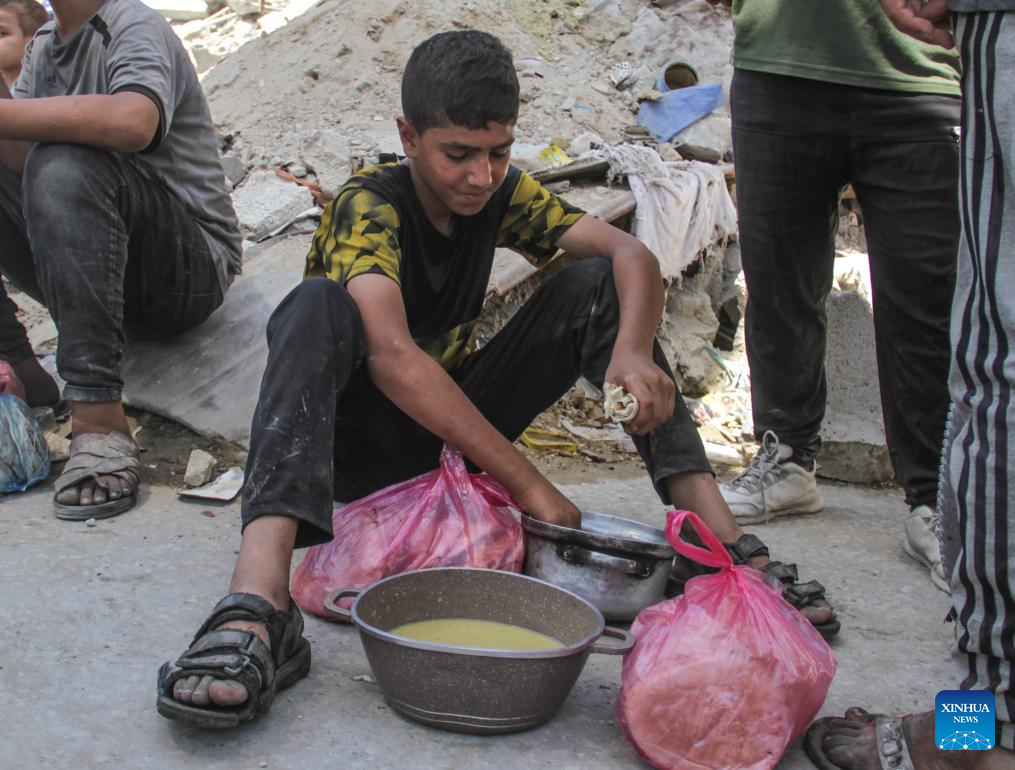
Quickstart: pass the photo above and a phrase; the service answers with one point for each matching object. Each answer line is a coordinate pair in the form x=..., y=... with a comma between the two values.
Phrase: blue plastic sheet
x=676, y=110
x=24, y=453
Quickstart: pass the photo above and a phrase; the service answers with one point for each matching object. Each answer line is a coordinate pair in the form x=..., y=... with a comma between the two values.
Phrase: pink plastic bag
x=726, y=676
x=444, y=518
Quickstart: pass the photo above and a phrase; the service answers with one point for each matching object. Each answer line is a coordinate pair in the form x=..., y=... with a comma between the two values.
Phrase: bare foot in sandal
x=258, y=604
x=82, y=494
x=853, y=743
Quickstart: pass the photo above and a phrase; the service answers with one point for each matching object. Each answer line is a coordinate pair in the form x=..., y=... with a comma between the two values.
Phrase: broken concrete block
x=853, y=433
x=266, y=202
x=708, y=140
x=234, y=168
x=200, y=468
x=329, y=154
x=584, y=142
x=179, y=10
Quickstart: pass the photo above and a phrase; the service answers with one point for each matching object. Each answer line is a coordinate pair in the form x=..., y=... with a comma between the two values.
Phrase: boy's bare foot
x=852, y=744
x=102, y=418
x=40, y=387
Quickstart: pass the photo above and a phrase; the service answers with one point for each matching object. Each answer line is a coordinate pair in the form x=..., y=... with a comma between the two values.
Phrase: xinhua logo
x=964, y=720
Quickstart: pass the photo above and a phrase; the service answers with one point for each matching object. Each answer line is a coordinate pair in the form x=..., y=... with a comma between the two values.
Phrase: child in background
x=19, y=21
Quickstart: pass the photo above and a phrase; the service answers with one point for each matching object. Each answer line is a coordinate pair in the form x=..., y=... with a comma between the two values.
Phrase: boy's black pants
x=322, y=431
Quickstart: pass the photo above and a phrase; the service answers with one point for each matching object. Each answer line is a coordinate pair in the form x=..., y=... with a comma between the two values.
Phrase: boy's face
x=12, y=41
x=459, y=168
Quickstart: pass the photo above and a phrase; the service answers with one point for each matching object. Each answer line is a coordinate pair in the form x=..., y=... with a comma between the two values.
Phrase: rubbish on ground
x=554, y=157
x=736, y=667
x=677, y=75
x=89, y=522
x=593, y=168
x=676, y=110
x=59, y=447
x=611, y=433
x=200, y=468
x=447, y=517
x=683, y=208
x=548, y=441
x=619, y=405
x=224, y=488
x=24, y=452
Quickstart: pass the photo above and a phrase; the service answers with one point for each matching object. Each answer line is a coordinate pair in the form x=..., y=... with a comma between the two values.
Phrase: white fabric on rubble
x=683, y=207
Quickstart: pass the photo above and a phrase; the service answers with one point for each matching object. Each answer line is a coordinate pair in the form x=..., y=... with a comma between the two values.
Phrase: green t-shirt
x=839, y=41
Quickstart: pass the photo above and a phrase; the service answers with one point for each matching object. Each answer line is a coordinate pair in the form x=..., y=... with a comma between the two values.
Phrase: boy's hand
x=926, y=20
x=655, y=391
x=545, y=502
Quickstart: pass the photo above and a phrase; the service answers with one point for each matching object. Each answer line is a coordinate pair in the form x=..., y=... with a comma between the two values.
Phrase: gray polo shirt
x=127, y=46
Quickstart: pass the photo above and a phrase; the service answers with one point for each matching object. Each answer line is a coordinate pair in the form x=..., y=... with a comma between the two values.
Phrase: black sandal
x=798, y=594
x=240, y=656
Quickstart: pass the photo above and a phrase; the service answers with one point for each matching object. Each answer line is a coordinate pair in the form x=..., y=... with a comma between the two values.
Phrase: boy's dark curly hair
x=464, y=78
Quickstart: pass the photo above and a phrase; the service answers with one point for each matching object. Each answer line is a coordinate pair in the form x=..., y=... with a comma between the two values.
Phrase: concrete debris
x=583, y=143
x=853, y=434
x=224, y=488
x=179, y=10
x=329, y=154
x=59, y=447
x=200, y=468
x=709, y=140
x=560, y=49
x=265, y=202
x=234, y=169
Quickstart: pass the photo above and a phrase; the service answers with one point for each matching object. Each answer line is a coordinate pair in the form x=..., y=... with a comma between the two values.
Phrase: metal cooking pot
x=617, y=564
x=473, y=690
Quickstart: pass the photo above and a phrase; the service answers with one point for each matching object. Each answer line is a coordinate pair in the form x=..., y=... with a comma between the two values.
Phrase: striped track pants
x=978, y=466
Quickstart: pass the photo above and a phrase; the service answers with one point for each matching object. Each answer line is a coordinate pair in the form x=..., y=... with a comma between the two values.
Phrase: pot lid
x=612, y=533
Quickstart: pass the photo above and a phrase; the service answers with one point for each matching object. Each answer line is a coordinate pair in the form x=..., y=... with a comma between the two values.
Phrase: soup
x=482, y=634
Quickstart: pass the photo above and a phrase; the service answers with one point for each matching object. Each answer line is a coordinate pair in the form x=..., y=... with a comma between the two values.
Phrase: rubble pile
x=323, y=90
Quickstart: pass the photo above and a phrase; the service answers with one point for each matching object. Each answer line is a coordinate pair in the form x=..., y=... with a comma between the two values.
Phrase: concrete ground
x=87, y=614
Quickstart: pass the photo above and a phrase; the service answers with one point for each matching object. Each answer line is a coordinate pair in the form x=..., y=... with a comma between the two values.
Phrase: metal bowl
x=619, y=565
x=474, y=690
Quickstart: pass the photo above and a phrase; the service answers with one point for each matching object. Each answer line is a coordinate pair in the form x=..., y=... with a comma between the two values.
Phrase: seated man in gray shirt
x=114, y=214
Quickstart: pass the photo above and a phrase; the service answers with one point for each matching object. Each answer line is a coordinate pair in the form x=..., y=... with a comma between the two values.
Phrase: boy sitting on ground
x=19, y=21
x=370, y=364
x=114, y=214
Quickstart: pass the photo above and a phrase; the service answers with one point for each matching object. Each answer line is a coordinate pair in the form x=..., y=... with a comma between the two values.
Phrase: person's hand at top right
x=927, y=20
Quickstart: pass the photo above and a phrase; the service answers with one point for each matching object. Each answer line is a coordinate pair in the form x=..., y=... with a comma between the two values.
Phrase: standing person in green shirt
x=824, y=95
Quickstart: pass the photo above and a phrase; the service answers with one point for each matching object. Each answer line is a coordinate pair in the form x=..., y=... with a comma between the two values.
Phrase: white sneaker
x=772, y=486
x=923, y=543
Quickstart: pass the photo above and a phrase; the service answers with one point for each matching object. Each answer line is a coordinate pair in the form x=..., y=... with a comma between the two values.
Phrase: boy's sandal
x=893, y=751
x=798, y=594
x=92, y=456
x=240, y=656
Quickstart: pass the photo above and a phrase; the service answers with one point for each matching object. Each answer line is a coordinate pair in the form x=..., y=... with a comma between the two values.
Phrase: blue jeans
x=797, y=143
x=105, y=248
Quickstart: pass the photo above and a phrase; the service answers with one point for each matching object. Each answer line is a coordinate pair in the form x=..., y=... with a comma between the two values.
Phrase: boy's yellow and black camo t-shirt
x=377, y=224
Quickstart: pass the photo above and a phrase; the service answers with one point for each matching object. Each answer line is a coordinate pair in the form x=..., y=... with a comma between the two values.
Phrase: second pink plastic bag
x=444, y=518
x=724, y=677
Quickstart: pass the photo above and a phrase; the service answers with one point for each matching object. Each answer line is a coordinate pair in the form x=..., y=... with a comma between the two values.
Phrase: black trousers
x=322, y=431
x=796, y=144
